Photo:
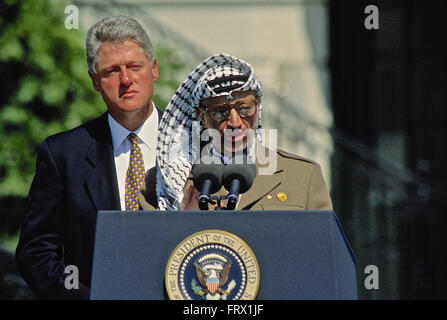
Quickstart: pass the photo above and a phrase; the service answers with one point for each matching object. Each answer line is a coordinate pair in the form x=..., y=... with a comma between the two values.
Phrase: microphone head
x=211, y=172
x=245, y=173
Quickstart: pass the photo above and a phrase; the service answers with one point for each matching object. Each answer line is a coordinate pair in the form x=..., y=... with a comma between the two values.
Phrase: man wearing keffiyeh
x=222, y=100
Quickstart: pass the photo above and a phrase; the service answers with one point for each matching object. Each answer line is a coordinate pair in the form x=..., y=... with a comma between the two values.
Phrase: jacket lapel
x=101, y=180
x=262, y=185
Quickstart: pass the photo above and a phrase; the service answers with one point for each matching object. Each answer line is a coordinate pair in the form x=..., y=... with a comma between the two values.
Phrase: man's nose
x=125, y=76
x=234, y=119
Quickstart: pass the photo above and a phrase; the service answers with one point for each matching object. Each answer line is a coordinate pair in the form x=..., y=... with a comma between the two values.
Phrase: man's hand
x=190, y=199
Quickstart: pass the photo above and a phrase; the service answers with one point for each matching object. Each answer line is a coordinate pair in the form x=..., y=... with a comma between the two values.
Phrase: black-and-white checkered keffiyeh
x=178, y=144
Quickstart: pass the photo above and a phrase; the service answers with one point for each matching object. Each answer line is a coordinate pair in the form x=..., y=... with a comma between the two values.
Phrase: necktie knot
x=133, y=138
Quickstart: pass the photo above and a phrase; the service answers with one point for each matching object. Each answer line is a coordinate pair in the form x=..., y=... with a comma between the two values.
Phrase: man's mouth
x=234, y=135
x=128, y=94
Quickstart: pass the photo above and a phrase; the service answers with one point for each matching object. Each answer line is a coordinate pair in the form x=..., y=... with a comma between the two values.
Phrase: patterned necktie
x=135, y=174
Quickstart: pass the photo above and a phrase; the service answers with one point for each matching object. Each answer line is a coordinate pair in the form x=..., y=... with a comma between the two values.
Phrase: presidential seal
x=212, y=265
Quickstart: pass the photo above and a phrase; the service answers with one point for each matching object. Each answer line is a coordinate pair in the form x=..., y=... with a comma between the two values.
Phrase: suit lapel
x=101, y=180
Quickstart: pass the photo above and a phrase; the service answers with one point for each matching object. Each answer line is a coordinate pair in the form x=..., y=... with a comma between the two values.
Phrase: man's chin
x=133, y=106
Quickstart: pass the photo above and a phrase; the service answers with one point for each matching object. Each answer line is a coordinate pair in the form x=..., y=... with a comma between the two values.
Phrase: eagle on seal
x=213, y=280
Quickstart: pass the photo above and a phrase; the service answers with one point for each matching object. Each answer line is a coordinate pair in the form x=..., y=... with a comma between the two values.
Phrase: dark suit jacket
x=75, y=177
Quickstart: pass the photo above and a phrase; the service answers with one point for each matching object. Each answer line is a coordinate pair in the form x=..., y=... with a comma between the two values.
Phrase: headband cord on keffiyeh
x=177, y=145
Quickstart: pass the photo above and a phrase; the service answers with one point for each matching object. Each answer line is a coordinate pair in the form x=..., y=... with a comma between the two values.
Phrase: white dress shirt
x=147, y=138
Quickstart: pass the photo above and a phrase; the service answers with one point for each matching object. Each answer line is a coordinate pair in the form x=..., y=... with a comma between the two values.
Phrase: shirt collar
x=144, y=132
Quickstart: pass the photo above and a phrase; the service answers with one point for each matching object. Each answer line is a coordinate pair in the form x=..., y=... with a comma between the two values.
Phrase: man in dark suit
x=96, y=166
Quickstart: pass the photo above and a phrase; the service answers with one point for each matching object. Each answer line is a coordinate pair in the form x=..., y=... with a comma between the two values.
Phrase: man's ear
x=155, y=69
x=94, y=81
x=201, y=114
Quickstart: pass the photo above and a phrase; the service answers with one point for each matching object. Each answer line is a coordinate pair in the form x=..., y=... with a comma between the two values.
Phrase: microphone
x=237, y=179
x=208, y=179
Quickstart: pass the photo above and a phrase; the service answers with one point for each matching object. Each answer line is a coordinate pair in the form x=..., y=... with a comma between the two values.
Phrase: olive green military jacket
x=296, y=184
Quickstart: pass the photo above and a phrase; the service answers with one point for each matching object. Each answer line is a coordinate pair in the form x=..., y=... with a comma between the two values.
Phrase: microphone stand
x=218, y=200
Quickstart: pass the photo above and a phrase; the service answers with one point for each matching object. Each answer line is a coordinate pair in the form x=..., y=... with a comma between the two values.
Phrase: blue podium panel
x=301, y=254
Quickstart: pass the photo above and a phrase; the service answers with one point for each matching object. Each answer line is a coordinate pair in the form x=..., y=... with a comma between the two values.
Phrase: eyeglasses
x=222, y=112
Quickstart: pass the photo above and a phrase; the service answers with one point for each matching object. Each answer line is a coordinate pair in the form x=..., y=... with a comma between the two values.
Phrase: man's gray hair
x=115, y=29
